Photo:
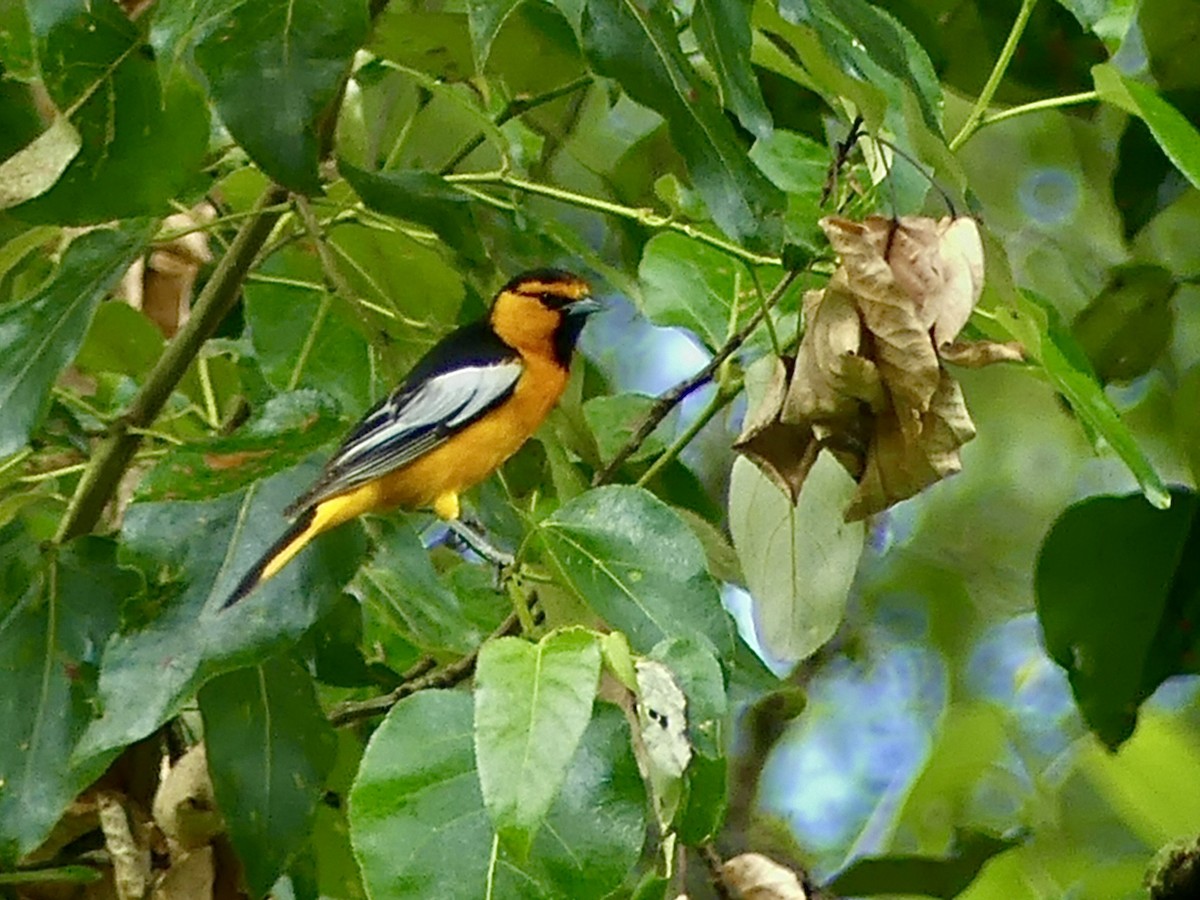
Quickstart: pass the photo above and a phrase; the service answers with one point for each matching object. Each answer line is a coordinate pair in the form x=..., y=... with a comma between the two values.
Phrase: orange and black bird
x=466, y=406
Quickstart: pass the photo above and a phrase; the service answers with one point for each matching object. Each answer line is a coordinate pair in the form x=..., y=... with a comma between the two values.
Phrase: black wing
x=461, y=378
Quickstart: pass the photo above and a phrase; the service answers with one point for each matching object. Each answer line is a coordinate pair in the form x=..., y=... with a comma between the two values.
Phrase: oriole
x=466, y=406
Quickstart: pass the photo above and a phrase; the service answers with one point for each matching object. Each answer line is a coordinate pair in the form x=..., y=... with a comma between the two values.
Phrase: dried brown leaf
x=184, y=807
x=899, y=467
x=977, y=354
x=130, y=854
x=756, y=877
x=784, y=452
x=190, y=877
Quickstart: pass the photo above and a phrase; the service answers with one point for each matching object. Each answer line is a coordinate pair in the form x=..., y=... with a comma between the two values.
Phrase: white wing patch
x=437, y=408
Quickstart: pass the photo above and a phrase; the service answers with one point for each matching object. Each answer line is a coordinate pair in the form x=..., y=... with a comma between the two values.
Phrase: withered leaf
x=898, y=468
x=785, y=452
x=753, y=876
x=977, y=354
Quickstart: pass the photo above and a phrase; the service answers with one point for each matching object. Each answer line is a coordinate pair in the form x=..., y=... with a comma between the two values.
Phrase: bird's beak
x=583, y=308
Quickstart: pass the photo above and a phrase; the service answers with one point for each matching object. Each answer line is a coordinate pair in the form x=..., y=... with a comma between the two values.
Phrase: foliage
x=227, y=229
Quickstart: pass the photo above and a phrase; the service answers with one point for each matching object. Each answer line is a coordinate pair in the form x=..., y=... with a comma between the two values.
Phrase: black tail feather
x=253, y=578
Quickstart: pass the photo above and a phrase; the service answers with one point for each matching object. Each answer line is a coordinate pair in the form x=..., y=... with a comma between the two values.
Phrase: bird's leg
x=476, y=540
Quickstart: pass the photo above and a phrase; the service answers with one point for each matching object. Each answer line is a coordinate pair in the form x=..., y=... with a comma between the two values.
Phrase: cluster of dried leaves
x=170, y=847
x=867, y=382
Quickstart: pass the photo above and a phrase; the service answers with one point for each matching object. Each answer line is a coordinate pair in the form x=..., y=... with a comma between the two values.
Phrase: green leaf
x=417, y=795
x=424, y=198
x=287, y=429
x=637, y=564
x=532, y=704
x=39, y=335
x=636, y=46
x=1118, y=588
x=270, y=751
x=400, y=588
x=1127, y=326
x=800, y=166
x=869, y=44
x=1177, y=136
x=1035, y=323
x=799, y=560
x=274, y=69
x=305, y=338
x=170, y=647
x=142, y=142
x=722, y=29
x=694, y=286
x=54, y=618
x=945, y=876
x=613, y=418
x=486, y=18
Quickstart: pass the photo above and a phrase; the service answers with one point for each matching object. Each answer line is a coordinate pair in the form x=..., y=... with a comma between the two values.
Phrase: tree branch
x=672, y=398
x=447, y=676
x=108, y=464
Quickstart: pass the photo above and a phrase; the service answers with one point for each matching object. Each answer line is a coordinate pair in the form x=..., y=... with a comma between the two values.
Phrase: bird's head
x=543, y=309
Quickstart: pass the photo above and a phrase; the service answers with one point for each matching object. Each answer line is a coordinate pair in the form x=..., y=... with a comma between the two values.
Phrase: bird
x=467, y=405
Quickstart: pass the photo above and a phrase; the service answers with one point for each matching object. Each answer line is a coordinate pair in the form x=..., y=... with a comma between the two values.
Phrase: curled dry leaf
x=784, y=451
x=130, y=854
x=184, y=807
x=867, y=382
x=753, y=876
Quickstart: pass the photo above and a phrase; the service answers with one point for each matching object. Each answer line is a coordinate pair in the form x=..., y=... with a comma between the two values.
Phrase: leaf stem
x=673, y=397
x=719, y=401
x=517, y=106
x=643, y=216
x=112, y=457
x=975, y=117
x=1040, y=105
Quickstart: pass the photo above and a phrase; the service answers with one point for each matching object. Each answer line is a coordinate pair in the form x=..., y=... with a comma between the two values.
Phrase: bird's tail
x=299, y=533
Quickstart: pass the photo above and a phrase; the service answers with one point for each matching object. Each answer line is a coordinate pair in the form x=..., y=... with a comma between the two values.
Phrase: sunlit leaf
x=638, y=565
x=723, y=32
x=532, y=704
x=417, y=794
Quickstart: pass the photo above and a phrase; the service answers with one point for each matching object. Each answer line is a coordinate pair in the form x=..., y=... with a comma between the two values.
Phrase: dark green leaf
x=800, y=166
x=1127, y=326
x=55, y=616
x=637, y=564
x=274, y=68
x=270, y=750
x=871, y=45
x=1169, y=31
x=420, y=829
x=636, y=45
x=532, y=704
x=424, y=198
x=1118, y=594
x=142, y=142
x=62, y=874
x=201, y=550
x=288, y=428
x=924, y=876
x=722, y=30
x=399, y=587
x=306, y=338
x=1177, y=136
x=39, y=335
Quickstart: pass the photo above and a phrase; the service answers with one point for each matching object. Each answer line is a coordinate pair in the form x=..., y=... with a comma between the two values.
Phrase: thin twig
x=716, y=877
x=447, y=676
x=643, y=216
x=517, y=106
x=975, y=117
x=672, y=398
